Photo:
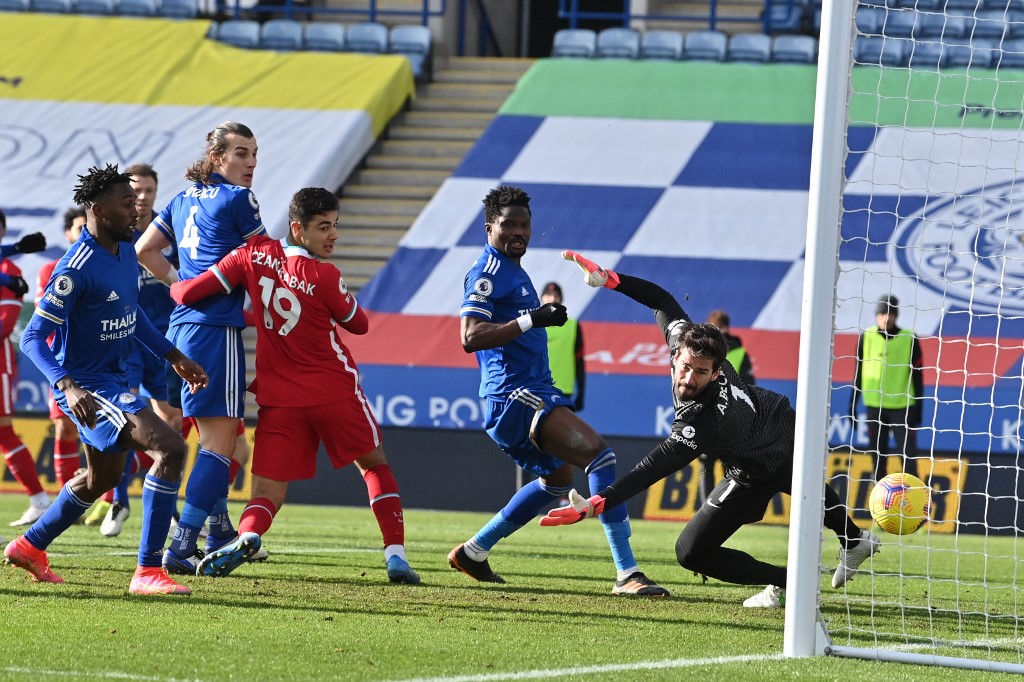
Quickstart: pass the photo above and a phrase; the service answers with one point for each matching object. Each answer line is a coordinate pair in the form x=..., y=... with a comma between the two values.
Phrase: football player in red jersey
x=306, y=379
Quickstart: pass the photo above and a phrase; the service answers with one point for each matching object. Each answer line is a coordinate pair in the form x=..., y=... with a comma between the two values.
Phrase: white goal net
x=917, y=192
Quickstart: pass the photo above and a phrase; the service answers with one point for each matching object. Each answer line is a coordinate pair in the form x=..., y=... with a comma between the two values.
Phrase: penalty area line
x=592, y=669
x=37, y=673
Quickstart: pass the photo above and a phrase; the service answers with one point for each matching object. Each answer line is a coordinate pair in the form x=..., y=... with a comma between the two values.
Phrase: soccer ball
x=900, y=503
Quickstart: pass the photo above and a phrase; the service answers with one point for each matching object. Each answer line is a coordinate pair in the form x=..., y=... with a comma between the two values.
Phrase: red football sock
x=385, y=503
x=257, y=516
x=66, y=460
x=19, y=460
x=140, y=462
x=233, y=472
x=108, y=497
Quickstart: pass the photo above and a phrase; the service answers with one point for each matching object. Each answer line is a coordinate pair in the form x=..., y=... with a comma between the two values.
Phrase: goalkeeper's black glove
x=31, y=243
x=18, y=285
x=549, y=315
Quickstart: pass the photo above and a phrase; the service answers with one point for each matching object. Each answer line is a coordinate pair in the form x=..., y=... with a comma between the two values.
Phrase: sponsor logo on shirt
x=679, y=438
x=50, y=298
x=113, y=296
x=118, y=327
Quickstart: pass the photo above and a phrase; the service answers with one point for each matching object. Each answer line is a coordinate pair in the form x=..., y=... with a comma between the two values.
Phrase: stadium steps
x=741, y=16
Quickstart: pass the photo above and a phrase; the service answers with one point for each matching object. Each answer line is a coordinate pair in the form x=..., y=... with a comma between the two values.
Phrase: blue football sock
x=519, y=511
x=57, y=518
x=220, y=521
x=206, y=485
x=158, y=500
x=600, y=475
x=121, y=489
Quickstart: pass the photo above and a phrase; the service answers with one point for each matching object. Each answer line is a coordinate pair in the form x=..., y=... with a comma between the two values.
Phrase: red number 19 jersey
x=297, y=300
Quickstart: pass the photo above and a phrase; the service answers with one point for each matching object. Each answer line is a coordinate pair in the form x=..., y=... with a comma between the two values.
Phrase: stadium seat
x=878, y=51
x=137, y=8
x=368, y=37
x=618, y=43
x=661, y=45
x=178, y=9
x=574, y=43
x=705, y=45
x=324, y=36
x=961, y=5
x=1014, y=25
x=899, y=24
x=240, y=33
x=794, y=50
x=1013, y=55
x=926, y=56
x=749, y=47
x=922, y=5
x=14, y=5
x=1008, y=5
x=101, y=7
x=51, y=6
x=942, y=26
x=962, y=56
x=869, y=20
x=784, y=16
x=990, y=25
x=414, y=43
x=281, y=34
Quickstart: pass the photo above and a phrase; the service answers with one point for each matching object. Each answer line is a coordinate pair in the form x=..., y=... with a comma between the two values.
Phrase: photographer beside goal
x=751, y=429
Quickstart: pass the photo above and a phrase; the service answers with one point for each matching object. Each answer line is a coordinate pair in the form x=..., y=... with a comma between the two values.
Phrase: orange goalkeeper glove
x=593, y=274
x=578, y=509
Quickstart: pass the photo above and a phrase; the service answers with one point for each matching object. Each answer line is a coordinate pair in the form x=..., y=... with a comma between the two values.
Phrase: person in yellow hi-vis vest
x=890, y=380
x=565, y=351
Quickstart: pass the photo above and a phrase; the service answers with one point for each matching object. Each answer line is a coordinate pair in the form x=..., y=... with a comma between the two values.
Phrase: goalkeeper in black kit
x=749, y=428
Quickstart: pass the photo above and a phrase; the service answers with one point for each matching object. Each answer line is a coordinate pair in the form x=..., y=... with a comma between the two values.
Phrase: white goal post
x=918, y=171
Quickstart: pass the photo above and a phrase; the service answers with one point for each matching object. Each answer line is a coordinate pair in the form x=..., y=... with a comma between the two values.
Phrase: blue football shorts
x=511, y=424
x=148, y=373
x=114, y=400
x=219, y=350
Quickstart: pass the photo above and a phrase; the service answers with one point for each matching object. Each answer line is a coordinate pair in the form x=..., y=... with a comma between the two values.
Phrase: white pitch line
x=110, y=675
x=591, y=669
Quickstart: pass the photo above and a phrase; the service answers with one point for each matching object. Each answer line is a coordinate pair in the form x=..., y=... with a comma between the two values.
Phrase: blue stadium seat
x=899, y=23
x=749, y=47
x=1009, y=5
x=322, y=36
x=941, y=26
x=1014, y=25
x=794, y=50
x=51, y=6
x=240, y=33
x=574, y=42
x=989, y=25
x=14, y=5
x=618, y=43
x=784, y=16
x=869, y=20
x=705, y=45
x=661, y=45
x=963, y=56
x=878, y=51
x=281, y=34
x=178, y=9
x=963, y=6
x=922, y=5
x=137, y=8
x=414, y=43
x=100, y=7
x=1013, y=55
x=926, y=56
x=368, y=37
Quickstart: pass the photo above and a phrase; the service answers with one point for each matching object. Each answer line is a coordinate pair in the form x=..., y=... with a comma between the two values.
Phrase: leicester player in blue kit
x=213, y=216
x=530, y=419
x=91, y=307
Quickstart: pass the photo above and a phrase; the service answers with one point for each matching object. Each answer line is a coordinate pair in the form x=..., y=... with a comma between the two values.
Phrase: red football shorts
x=288, y=438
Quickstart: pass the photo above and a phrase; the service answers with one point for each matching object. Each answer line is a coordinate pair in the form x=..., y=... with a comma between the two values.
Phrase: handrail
x=569, y=9
x=291, y=7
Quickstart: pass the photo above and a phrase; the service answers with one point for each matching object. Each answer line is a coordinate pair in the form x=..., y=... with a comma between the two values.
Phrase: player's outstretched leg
x=850, y=559
x=229, y=557
x=478, y=570
x=771, y=597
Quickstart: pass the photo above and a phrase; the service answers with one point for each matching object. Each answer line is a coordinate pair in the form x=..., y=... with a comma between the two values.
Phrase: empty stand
x=787, y=49
x=52, y=6
x=14, y=5
x=618, y=43
x=324, y=37
x=178, y=9
x=138, y=8
x=369, y=37
x=414, y=43
x=240, y=33
x=281, y=34
x=100, y=7
x=705, y=45
x=878, y=50
x=749, y=47
x=926, y=56
x=574, y=42
x=661, y=45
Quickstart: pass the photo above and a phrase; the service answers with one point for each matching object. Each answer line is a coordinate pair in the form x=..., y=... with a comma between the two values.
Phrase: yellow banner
x=165, y=62
x=37, y=434
x=677, y=498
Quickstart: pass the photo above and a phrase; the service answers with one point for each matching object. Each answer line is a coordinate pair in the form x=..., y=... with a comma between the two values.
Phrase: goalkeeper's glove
x=31, y=243
x=18, y=285
x=578, y=509
x=593, y=274
x=549, y=315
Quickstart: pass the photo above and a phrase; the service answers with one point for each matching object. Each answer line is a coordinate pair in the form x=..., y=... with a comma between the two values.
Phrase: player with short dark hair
x=749, y=428
x=503, y=323
x=91, y=307
x=209, y=219
x=307, y=383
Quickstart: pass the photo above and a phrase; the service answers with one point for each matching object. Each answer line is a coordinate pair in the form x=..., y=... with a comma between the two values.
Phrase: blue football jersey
x=207, y=222
x=93, y=344
x=154, y=296
x=498, y=290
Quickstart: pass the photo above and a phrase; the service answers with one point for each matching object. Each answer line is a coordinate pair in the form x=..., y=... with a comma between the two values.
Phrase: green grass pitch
x=322, y=609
